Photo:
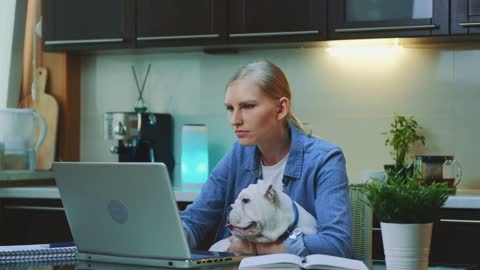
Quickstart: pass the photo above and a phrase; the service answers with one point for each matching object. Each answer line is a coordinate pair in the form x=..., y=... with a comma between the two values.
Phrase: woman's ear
x=283, y=108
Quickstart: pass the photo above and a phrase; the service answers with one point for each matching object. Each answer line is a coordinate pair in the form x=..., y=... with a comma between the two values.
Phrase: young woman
x=273, y=145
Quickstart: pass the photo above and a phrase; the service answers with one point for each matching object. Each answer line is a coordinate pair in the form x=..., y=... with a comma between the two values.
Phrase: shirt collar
x=293, y=168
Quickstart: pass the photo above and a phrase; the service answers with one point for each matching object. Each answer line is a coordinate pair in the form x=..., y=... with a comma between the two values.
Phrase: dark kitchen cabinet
x=180, y=22
x=276, y=20
x=87, y=24
x=33, y=221
x=385, y=18
x=465, y=16
x=455, y=238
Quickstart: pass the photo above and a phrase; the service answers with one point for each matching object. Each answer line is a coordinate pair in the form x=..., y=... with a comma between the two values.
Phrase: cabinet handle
x=271, y=34
x=83, y=41
x=459, y=220
x=469, y=24
x=385, y=28
x=178, y=37
x=43, y=208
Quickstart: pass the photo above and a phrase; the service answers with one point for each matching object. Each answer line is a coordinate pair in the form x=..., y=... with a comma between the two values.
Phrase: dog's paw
x=220, y=246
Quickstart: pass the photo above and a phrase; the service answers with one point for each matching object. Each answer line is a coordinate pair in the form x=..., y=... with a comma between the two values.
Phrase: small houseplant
x=406, y=207
x=405, y=204
x=401, y=136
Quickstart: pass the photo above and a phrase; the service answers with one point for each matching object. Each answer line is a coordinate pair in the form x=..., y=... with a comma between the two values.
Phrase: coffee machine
x=141, y=137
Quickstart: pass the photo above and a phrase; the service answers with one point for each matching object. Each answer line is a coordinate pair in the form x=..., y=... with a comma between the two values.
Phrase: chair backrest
x=362, y=217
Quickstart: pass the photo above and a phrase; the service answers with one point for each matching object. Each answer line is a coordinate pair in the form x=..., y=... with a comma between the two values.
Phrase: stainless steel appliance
x=141, y=137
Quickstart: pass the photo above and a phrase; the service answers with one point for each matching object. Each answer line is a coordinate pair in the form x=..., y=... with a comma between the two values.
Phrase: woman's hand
x=243, y=246
x=270, y=248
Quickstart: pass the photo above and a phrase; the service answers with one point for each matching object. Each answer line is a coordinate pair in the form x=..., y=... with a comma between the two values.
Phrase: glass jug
x=22, y=131
x=439, y=169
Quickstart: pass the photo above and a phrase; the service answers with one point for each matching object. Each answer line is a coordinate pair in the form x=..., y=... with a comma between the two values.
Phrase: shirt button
x=297, y=232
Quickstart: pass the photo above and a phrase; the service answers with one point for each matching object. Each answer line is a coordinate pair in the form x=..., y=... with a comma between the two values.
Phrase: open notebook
x=127, y=213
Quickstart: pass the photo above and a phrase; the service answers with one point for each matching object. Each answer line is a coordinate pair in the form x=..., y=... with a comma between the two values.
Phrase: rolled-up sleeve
x=332, y=207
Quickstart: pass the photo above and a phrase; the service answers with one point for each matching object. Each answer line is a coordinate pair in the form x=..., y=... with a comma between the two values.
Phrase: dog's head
x=259, y=214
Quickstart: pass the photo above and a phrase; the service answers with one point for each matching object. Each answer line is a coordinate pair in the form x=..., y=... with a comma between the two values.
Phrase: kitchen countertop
x=25, y=175
x=466, y=198
x=52, y=193
x=26, y=178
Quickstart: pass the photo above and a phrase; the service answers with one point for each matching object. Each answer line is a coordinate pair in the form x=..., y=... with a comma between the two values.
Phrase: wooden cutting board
x=46, y=106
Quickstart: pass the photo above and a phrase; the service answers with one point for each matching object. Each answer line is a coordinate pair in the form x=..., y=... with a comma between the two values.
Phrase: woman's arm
x=204, y=213
x=332, y=206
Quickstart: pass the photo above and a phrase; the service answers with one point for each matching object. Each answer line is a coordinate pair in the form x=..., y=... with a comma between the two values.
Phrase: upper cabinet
x=87, y=24
x=465, y=17
x=276, y=20
x=387, y=18
x=180, y=22
x=111, y=24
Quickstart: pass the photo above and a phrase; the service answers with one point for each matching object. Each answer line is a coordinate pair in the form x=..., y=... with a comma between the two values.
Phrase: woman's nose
x=235, y=118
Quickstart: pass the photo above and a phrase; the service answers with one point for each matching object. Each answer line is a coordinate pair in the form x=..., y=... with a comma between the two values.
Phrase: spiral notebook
x=37, y=253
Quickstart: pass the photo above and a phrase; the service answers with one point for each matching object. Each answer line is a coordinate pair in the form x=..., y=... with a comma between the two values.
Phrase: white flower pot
x=406, y=246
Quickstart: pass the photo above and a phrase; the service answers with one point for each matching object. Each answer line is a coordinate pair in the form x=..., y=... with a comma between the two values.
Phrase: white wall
x=12, y=31
x=349, y=100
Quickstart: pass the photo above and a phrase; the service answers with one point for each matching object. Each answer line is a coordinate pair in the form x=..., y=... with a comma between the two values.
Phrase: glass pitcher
x=439, y=169
x=22, y=131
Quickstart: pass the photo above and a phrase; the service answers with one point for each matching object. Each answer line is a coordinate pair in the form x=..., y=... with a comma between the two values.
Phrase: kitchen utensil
x=19, y=135
x=439, y=169
x=47, y=106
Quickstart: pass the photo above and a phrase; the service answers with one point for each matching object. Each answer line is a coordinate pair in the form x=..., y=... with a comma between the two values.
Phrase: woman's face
x=254, y=116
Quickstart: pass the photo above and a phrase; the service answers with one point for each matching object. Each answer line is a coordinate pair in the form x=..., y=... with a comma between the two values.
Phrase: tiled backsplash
x=348, y=100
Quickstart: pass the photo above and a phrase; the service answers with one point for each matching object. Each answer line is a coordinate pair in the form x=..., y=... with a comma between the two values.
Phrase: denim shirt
x=315, y=177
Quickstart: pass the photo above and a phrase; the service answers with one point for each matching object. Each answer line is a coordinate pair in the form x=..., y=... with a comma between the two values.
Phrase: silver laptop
x=127, y=213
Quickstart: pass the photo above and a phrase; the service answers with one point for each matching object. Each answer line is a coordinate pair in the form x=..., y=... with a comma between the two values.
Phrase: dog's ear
x=271, y=194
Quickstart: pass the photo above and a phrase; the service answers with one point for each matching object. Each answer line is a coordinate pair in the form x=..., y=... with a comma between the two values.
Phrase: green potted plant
x=401, y=136
x=406, y=207
x=404, y=203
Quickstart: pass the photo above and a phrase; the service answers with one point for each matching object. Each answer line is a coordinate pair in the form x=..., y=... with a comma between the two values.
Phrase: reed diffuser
x=140, y=106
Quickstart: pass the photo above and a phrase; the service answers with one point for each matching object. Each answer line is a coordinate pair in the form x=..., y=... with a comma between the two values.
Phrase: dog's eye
x=245, y=200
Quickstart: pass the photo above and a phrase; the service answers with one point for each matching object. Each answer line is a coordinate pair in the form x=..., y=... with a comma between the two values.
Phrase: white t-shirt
x=274, y=173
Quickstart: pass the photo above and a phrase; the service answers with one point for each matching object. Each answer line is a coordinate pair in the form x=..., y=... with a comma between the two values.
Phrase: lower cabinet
x=33, y=221
x=38, y=221
x=455, y=238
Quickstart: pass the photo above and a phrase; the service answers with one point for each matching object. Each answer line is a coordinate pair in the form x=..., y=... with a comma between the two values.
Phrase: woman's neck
x=276, y=149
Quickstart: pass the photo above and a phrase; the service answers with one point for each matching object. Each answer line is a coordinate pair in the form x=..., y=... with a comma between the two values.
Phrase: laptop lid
x=125, y=212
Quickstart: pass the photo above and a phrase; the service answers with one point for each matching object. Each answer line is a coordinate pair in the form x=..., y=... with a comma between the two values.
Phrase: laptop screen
x=122, y=209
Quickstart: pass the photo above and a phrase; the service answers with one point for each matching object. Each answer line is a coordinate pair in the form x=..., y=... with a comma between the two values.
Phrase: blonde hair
x=272, y=81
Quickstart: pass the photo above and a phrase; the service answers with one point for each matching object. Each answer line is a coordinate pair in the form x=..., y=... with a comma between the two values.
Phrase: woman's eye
x=249, y=106
x=245, y=200
x=229, y=109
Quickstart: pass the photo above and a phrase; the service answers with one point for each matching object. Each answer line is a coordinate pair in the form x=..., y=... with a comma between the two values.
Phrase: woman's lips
x=241, y=133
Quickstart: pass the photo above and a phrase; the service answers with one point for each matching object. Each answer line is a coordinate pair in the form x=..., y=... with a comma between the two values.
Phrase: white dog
x=262, y=213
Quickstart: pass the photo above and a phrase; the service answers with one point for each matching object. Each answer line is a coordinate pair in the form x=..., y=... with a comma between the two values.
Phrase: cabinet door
x=276, y=20
x=33, y=221
x=180, y=22
x=87, y=24
x=465, y=17
x=387, y=18
x=455, y=237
